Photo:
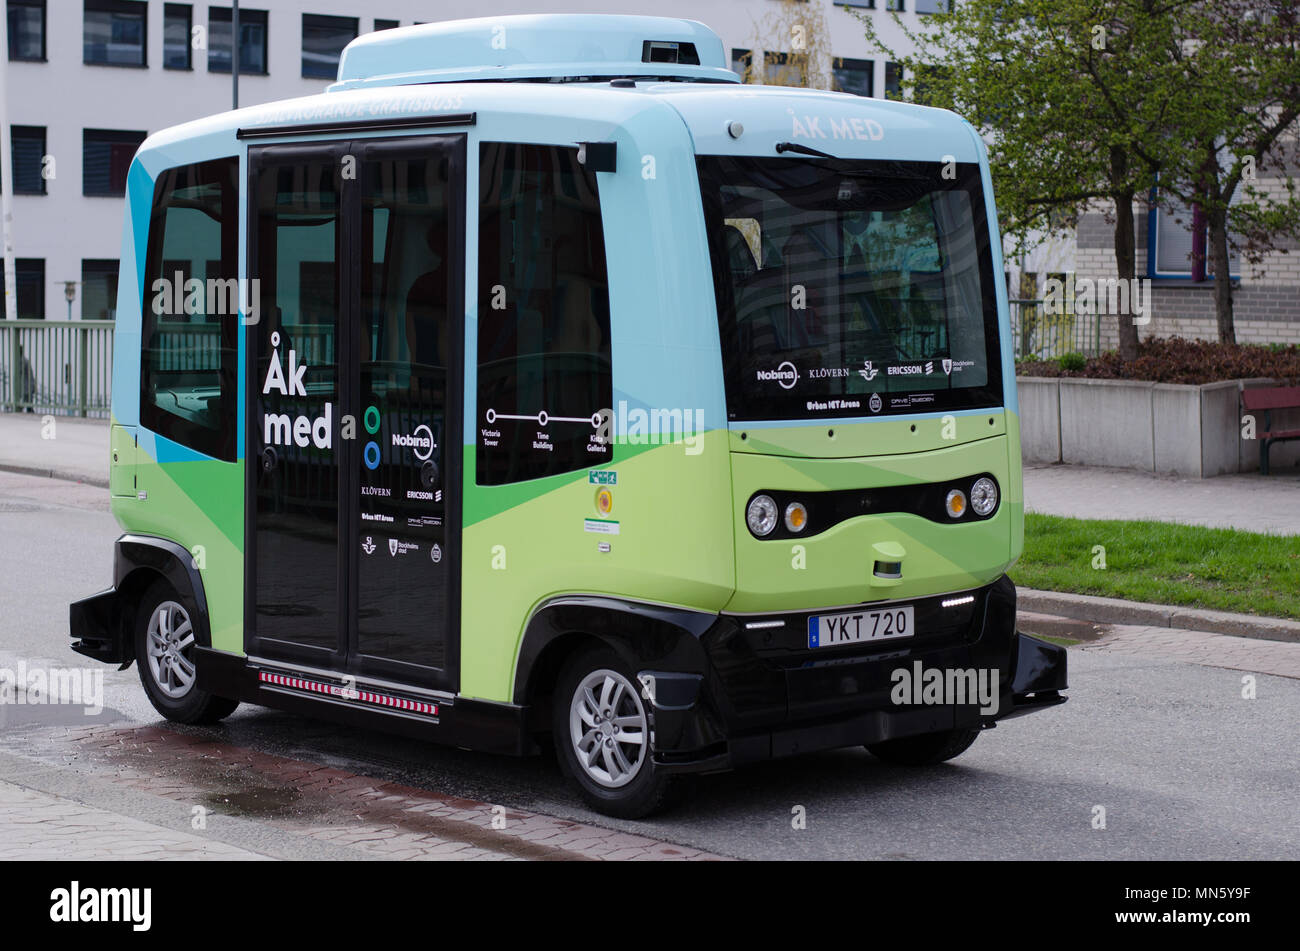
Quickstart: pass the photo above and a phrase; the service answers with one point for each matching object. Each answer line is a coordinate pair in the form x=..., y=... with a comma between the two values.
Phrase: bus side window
x=190, y=313
x=544, y=374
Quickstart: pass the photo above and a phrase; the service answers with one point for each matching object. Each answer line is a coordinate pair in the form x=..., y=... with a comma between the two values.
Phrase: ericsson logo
x=420, y=442
x=785, y=374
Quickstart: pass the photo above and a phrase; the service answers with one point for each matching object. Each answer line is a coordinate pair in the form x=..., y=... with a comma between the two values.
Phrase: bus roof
x=518, y=75
x=537, y=47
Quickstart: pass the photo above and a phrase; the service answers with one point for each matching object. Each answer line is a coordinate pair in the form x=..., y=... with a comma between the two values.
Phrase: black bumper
x=767, y=695
x=94, y=624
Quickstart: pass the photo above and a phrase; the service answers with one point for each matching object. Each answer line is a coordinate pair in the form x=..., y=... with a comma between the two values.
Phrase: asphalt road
x=1184, y=767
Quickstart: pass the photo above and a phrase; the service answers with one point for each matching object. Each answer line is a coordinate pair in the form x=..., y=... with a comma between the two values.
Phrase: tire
x=926, y=749
x=622, y=781
x=165, y=666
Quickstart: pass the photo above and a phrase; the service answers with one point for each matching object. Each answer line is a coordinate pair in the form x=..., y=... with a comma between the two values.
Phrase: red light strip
x=334, y=690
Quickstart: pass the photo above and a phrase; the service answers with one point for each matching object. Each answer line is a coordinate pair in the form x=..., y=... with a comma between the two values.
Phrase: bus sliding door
x=353, y=387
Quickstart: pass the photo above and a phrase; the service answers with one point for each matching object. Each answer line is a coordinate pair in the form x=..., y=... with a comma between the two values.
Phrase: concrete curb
x=66, y=475
x=1117, y=611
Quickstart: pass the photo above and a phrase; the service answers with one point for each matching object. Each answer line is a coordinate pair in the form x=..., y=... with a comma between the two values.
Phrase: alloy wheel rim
x=608, y=728
x=170, y=647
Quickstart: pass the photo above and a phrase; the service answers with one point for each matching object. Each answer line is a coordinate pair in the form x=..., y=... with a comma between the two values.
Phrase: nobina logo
x=75, y=904
x=421, y=445
x=946, y=686
x=786, y=374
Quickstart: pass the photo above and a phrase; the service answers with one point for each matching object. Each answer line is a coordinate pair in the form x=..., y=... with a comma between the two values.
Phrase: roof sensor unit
x=597, y=156
x=667, y=51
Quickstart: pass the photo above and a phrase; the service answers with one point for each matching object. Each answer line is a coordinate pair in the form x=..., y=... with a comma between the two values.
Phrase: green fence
x=63, y=367
x=1038, y=335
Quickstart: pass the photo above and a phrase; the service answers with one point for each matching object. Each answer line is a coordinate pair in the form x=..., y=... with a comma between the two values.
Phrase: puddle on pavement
x=258, y=802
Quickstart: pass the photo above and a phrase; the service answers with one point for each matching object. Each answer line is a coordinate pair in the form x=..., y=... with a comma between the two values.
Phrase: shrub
x=1176, y=360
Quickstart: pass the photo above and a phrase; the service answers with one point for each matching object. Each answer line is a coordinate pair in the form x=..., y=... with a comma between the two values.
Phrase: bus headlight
x=796, y=517
x=761, y=515
x=984, y=496
x=956, y=503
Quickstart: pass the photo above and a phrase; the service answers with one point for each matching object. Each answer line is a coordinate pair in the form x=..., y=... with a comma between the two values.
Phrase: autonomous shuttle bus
x=540, y=382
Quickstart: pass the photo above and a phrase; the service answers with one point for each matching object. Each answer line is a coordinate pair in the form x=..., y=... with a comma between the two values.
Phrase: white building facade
x=86, y=80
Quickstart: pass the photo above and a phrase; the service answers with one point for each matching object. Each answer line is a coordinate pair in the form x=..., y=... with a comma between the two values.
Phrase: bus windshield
x=860, y=288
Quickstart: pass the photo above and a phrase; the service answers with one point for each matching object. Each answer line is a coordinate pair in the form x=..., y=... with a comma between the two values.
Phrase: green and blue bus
x=540, y=382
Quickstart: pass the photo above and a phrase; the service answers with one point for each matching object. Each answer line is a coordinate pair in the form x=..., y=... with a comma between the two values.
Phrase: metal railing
x=1038, y=335
x=65, y=367
x=62, y=367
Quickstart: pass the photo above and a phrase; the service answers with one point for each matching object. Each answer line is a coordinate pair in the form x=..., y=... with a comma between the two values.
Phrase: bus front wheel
x=164, y=652
x=602, y=738
x=927, y=749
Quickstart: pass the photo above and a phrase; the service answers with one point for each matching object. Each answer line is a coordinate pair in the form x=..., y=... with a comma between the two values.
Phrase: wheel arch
x=642, y=635
x=141, y=560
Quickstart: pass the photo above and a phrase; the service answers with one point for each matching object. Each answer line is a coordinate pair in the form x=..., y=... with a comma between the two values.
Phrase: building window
x=895, y=5
x=99, y=288
x=386, y=25
x=105, y=158
x=189, y=341
x=178, y=19
x=27, y=30
x=933, y=6
x=1178, y=244
x=323, y=39
x=543, y=327
x=862, y=4
x=742, y=64
x=893, y=81
x=780, y=69
x=115, y=33
x=29, y=274
x=28, y=152
x=856, y=76
x=252, y=41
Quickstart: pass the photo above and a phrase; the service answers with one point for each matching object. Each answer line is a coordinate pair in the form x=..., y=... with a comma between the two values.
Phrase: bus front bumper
x=750, y=707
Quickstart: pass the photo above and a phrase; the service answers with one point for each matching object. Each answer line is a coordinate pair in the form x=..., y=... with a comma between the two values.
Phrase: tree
x=1083, y=103
x=795, y=34
x=1242, y=60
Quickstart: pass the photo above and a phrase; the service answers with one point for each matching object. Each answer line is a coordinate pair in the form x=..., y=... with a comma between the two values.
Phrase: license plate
x=878, y=624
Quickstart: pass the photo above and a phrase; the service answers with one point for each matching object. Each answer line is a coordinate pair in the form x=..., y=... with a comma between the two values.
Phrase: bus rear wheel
x=926, y=749
x=602, y=738
x=164, y=652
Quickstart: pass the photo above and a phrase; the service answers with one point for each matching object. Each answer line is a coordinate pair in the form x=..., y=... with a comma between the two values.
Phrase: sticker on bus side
x=600, y=526
x=602, y=477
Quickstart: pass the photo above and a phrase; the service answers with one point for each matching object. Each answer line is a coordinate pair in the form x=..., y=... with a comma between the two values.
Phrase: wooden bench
x=1264, y=400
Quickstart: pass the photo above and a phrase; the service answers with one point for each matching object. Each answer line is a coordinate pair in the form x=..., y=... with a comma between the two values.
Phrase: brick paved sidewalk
x=37, y=826
x=1198, y=647
x=355, y=816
